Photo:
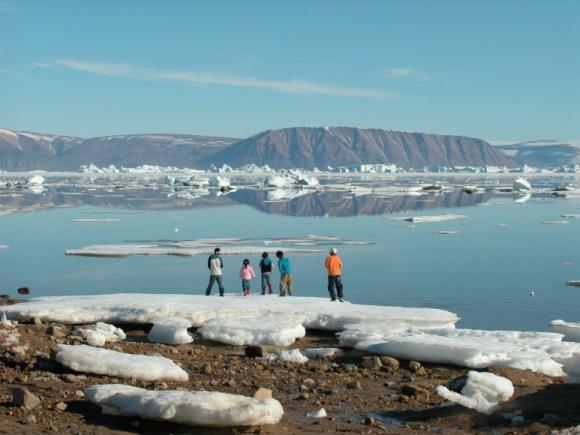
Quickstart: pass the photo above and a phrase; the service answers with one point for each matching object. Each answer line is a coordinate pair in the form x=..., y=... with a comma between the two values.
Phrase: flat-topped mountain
x=544, y=153
x=310, y=147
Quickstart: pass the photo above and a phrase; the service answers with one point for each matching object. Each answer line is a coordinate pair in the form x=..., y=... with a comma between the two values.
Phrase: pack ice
x=231, y=319
x=476, y=348
x=482, y=392
x=90, y=359
x=196, y=408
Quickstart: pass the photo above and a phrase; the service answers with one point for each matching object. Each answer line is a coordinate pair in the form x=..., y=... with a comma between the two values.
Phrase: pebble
x=263, y=393
x=61, y=406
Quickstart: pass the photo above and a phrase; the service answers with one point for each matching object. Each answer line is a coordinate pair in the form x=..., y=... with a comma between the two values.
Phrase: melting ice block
x=482, y=392
x=477, y=348
x=571, y=368
x=170, y=331
x=99, y=333
x=319, y=352
x=279, y=330
x=196, y=408
x=293, y=355
x=122, y=365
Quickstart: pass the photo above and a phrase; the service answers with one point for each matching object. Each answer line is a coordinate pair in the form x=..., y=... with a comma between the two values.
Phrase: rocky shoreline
x=360, y=393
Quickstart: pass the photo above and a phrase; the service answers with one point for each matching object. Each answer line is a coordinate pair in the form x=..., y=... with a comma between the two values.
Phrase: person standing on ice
x=215, y=265
x=285, y=269
x=246, y=274
x=266, y=270
x=333, y=265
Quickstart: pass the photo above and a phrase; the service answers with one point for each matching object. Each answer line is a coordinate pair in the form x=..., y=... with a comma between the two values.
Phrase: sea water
x=485, y=270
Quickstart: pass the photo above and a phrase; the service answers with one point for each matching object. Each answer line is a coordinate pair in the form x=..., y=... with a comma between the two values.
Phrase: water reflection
x=289, y=202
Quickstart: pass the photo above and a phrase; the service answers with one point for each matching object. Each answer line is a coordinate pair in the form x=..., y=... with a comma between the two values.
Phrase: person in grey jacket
x=215, y=265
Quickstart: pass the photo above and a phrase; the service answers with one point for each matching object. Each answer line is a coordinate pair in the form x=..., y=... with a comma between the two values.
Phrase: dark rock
x=22, y=397
x=416, y=392
x=24, y=290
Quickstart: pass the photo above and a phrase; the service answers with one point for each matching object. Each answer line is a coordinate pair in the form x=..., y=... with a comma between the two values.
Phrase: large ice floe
x=429, y=218
x=229, y=246
x=482, y=392
x=90, y=359
x=196, y=408
x=571, y=367
x=312, y=313
x=570, y=330
x=475, y=348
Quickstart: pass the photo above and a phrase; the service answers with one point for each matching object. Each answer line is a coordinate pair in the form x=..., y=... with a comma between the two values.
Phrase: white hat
x=333, y=251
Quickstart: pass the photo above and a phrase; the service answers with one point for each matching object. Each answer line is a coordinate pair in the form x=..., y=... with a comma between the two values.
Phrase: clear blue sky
x=500, y=70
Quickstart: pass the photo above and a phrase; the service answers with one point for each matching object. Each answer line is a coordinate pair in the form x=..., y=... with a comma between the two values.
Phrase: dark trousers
x=212, y=279
x=335, y=281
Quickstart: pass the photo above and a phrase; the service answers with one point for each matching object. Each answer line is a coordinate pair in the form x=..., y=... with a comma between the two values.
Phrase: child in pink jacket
x=246, y=274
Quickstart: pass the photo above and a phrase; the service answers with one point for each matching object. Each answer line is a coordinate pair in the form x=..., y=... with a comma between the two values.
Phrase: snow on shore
x=196, y=408
x=88, y=359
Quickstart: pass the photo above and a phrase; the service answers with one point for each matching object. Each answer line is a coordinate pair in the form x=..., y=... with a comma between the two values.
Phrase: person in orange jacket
x=333, y=265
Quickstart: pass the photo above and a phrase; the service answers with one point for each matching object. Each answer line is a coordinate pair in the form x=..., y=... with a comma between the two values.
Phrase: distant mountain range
x=299, y=147
x=544, y=153
x=23, y=151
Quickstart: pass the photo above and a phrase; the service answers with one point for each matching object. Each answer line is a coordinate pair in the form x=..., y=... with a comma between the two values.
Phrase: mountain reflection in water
x=300, y=203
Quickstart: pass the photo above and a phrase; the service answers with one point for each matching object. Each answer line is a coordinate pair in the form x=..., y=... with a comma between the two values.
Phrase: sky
x=501, y=70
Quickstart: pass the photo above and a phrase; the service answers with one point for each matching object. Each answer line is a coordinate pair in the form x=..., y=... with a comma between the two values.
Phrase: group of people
x=333, y=265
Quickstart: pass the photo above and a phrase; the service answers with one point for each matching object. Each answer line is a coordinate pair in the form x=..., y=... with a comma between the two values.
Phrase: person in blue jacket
x=285, y=269
x=266, y=270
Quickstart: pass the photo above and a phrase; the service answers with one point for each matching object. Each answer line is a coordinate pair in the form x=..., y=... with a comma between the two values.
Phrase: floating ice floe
x=4, y=247
x=482, y=392
x=446, y=232
x=196, y=408
x=570, y=330
x=522, y=185
x=100, y=333
x=284, y=194
x=293, y=355
x=273, y=330
x=170, y=331
x=573, y=283
x=88, y=359
x=172, y=249
x=520, y=198
x=570, y=216
x=319, y=352
x=95, y=221
x=555, y=222
x=477, y=348
x=433, y=218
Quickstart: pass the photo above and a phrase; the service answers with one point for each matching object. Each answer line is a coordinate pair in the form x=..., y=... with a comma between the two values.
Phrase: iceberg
x=90, y=359
x=170, y=331
x=35, y=180
x=219, y=181
x=196, y=408
x=272, y=330
x=482, y=392
x=433, y=218
x=522, y=185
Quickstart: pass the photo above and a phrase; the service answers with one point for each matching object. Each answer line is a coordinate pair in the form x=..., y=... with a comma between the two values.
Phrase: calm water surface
x=484, y=274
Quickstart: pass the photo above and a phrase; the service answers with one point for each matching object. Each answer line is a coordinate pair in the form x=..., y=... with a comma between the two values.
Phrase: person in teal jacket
x=285, y=269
